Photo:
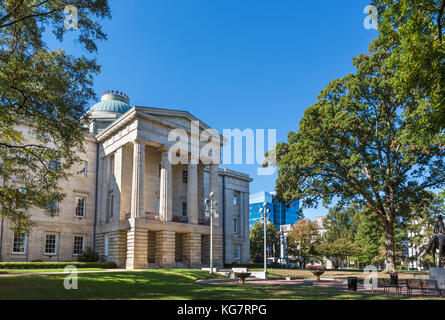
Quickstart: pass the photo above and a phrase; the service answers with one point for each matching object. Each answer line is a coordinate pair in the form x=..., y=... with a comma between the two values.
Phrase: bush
x=37, y=260
x=258, y=259
x=88, y=256
x=56, y=265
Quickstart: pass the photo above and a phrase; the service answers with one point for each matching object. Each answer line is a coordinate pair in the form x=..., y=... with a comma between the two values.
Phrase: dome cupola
x=112, y=101
x=111, y=107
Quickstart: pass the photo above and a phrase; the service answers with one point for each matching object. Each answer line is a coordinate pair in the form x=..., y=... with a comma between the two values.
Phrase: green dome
x=112, y=101
x=111, y=106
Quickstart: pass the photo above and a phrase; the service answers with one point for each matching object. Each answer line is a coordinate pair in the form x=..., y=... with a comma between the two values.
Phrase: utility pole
x=211, y=210
x=265, y=213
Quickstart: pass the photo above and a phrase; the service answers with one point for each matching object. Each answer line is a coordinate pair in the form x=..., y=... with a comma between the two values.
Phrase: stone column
x=166, y=189
x=105, y=187
x=137, y=248
x=100, y=173
x=165, y=249
x=192, y=249
x=201, y=213
x=246, y=241
x=217, y=249
x=214, y=187
x=137, y=191
x=118, y=185
x=192, y=193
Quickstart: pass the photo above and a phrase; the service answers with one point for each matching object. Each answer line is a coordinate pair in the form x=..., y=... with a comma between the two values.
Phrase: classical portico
x=131, y=204
x=151, y=211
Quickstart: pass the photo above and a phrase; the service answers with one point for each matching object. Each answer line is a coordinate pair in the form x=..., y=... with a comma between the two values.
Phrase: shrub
x=56, y=265
x=88, y=256
x=313, y=267
x=37, y=260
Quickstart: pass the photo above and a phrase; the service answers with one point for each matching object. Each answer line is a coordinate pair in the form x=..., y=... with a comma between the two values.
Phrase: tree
x=419, y=226
x=351, y=144
x=257, y=240
x=339, y=223
x=369, y=236
x=413, y=31
x=302, y=240
x=43, y=94
x=338, y=251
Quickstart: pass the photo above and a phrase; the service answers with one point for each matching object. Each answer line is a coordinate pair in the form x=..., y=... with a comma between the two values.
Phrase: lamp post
x=265, y=213
x=211, y=210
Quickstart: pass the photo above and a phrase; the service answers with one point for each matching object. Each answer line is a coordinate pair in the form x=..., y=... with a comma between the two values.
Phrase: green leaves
x=412, y=31
x=363, y=141
x=257, y=239
x=43, y=96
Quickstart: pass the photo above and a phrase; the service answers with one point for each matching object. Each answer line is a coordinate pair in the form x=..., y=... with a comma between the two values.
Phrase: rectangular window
x=184, y=209
x=51, y=242
x=185, y=176
x=21, y=200
x=111, y=205
x=84, y=171
x=53, y=207
x=160, y=170
x=237, y=252
x=79, y=245
x=235, y=199
x=106, y=244
x=80, y=206
x=235, y=226
x=19, y=243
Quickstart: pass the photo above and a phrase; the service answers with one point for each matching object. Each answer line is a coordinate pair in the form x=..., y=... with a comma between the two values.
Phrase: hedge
x=56, y=265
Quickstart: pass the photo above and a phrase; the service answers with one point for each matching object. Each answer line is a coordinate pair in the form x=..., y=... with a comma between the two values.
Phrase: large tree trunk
x=389, y=246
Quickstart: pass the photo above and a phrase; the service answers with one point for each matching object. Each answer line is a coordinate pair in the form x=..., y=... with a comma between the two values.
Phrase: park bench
x=413, y=284
x=387, y=286
x=380, y=284
x=431, y=285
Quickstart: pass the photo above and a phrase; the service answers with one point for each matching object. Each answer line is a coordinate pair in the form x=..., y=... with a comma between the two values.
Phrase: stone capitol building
x=132, y=205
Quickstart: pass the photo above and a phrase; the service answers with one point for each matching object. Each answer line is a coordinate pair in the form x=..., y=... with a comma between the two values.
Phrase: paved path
x=331, y=283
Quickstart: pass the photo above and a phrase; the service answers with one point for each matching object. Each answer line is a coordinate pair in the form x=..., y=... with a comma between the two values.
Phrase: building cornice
x=141, y=112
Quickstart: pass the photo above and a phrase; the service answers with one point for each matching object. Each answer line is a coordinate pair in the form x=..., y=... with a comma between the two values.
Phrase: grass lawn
x=157, y=285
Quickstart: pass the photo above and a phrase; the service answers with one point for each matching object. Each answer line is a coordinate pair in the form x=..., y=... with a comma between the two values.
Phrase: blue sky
x=232, y=63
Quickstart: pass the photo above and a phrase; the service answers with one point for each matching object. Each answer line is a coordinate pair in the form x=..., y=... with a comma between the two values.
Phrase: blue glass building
x=280, y=213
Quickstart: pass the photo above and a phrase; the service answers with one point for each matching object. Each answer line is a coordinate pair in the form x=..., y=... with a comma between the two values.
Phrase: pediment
x=157, y=120
x=174, y=118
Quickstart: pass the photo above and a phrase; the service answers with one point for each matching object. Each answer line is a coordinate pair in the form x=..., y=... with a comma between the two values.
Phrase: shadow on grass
x=157, y=285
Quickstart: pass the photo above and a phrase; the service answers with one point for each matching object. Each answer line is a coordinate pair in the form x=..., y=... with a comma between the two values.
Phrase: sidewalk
x=331, y=283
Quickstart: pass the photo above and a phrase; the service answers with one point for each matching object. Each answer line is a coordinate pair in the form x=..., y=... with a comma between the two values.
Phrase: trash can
x=394, y=279
x=352, y=283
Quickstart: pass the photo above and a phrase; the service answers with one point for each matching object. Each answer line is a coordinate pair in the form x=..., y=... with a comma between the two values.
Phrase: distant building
x=133, y=205
x=280, y=213
x=320, y=224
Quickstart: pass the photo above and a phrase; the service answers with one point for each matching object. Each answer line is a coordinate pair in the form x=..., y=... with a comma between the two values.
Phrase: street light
x=211, y=210
x=265, y=213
